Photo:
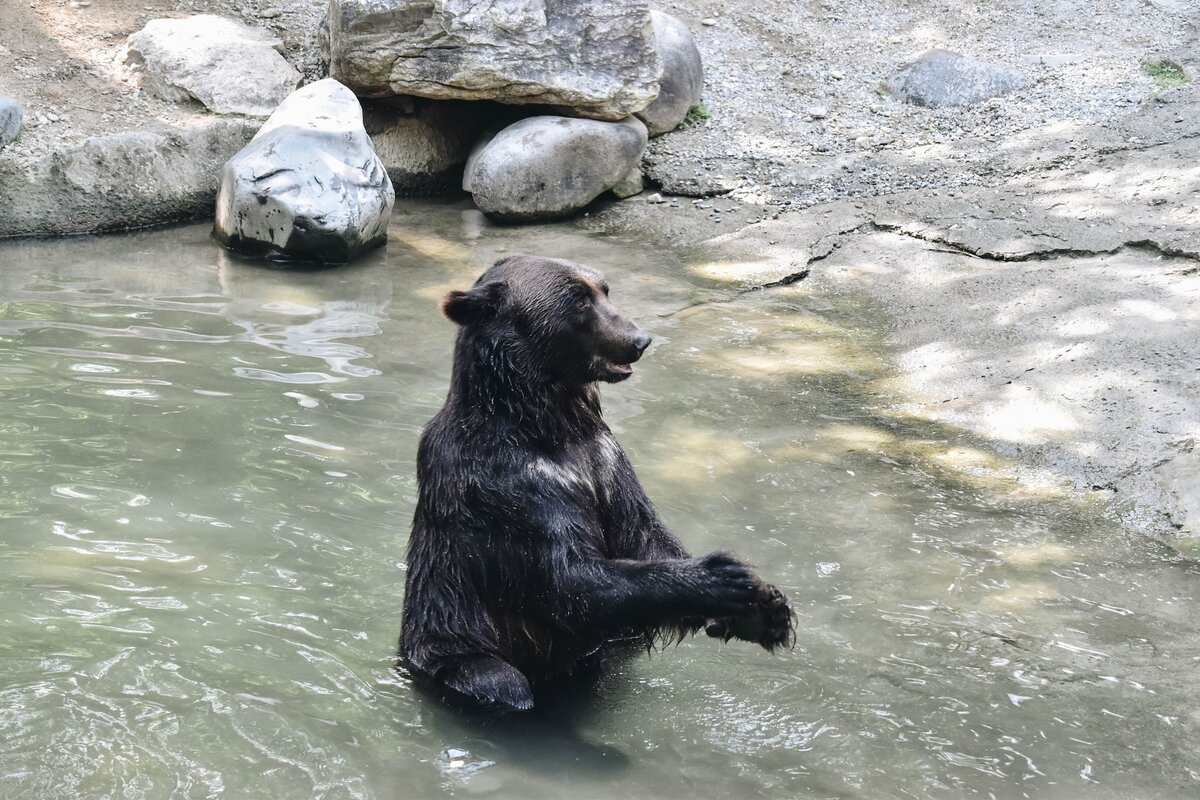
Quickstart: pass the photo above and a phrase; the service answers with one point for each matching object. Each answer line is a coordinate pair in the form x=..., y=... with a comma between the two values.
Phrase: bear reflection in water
x=533, y=543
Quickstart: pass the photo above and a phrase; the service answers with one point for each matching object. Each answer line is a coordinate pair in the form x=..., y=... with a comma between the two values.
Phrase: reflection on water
x=208, y=469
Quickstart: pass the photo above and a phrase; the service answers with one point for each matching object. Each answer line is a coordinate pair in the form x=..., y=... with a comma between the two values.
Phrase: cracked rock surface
x=1038, y=255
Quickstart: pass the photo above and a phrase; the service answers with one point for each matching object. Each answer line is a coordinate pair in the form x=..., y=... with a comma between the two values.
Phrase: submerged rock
x=309, y=186
x=229, y=67
x=682, y=81
x=551, y=167
x=594, y=58
x=943, y=78
x=11, y=116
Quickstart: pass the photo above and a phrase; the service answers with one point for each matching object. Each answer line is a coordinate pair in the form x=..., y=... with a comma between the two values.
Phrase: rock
x=308, y=186
x=596, y=59
x=655, y=199
x=682, y=79
x=551, y=167
x=425, y=148
x=229, y=67
x=11, y=116
x=942, y=78
x=119, y=181
x=630, y=185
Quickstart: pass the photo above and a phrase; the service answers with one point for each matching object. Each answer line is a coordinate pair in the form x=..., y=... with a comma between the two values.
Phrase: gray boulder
x=682, y=79
x=942, y=78
x=10, y=120
x=425, y=147
x=118, y=181
x=551, y=167
x=229, y=67
x=596, y=59
x=308, y=186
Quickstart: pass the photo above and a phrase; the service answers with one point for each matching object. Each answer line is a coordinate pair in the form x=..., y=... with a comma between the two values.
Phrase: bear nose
x=641, y=342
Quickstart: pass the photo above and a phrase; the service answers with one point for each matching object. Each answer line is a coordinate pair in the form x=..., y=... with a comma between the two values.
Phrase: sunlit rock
x=594, y=58
x=309, y=186
x=229, y=67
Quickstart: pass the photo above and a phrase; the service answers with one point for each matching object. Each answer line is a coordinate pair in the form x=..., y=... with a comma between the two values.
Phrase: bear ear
x=477, y=305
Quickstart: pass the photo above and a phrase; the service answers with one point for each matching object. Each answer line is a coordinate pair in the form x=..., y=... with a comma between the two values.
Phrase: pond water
x=208, y=475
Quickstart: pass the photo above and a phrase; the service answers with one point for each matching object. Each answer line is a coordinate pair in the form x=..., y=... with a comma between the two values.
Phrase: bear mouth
x=614, y=372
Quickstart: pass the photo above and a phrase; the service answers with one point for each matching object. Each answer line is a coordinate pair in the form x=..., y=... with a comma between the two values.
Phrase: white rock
x=309, y=186
x=228, y=66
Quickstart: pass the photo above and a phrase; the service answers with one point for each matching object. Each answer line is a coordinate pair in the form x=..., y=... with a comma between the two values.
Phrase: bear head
x=556, y=316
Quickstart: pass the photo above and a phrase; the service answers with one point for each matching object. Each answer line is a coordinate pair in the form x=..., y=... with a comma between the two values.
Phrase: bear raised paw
x=533, y=543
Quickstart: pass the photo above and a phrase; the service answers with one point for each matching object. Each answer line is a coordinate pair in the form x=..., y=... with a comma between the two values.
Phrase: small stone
x=270, y=13
x=655, y=199
x=630, y=185
x=11, y=116
x=817, y=112
x=709, y=21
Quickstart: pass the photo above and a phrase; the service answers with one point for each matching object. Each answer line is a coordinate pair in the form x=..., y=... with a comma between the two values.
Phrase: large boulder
x=551, y=167
x=308, y=186
x=11, y=116
x=117, y=181
x=943, y=78
x=682, y=79
x=229, y=67
x=596, y=59
x=424, y=148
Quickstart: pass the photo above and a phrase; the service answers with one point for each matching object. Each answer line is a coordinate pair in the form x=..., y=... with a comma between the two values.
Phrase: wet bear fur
x=533, y=543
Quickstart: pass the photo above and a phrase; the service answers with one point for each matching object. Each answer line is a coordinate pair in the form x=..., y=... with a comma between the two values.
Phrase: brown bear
x=533, y=544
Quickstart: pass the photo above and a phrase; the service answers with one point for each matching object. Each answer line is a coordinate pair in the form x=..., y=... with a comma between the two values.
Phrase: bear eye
x=582, y=302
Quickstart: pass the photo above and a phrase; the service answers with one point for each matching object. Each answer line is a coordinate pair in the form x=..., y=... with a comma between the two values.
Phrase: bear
x=533, y=544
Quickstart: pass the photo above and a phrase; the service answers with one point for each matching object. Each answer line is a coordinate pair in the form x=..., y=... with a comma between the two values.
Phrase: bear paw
x=771, y=622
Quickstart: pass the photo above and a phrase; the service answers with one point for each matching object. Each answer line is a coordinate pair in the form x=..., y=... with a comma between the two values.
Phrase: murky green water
x=208, y=476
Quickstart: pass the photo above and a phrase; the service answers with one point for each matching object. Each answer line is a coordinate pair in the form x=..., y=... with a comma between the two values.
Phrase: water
x=208, y=473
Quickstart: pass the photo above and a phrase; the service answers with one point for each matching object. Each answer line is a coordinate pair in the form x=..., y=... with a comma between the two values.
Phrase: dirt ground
x=1038, y=254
